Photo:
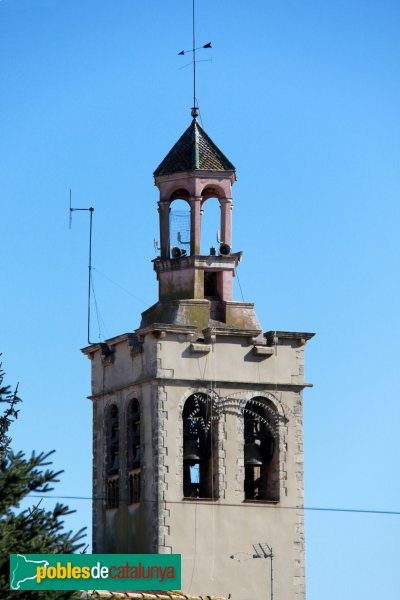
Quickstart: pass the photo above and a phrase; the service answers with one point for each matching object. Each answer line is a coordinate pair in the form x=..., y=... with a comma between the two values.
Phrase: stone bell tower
x=198, y=414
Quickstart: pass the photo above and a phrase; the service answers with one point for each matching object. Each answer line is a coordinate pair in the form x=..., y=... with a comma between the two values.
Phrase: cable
x=98, y=317
x=240, y=287
x=270, y=506
x=118, y=285
x=195, y=548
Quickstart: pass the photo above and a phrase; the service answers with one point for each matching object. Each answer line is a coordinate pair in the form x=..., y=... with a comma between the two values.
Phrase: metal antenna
x=91, y=209
x=262, y=550
x=195, y=108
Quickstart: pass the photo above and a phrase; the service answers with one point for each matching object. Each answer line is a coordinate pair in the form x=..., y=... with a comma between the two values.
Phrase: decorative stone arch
x=261, y=450
x=273, y=399
x=186, y=395
x=179, y=222
x=180, y=194
x=211, y=221
x=216, y=427
x=236, y=405
x=135, y=395
x=212, y=191
x=235, y=402
x=225, y=204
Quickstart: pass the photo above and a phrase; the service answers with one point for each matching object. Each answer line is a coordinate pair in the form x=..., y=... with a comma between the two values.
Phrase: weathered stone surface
x=161, y=377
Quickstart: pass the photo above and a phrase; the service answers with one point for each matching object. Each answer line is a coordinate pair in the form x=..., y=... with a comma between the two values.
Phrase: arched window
x=210, y=224
x=261, y=461
x=179, y=225
x=112, y=494
x=200, y=464
x=210, y=232
x=133, y=451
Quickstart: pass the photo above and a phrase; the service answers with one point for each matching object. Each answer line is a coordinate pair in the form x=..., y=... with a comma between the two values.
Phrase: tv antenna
x=90, y=210
x=193, y=50
x=261, y=550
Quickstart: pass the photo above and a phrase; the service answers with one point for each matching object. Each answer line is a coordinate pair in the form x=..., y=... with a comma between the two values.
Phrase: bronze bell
x=191, y=450
x=252, y=455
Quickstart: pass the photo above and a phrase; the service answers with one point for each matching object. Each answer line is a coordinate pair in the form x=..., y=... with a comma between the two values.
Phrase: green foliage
x=33, y=530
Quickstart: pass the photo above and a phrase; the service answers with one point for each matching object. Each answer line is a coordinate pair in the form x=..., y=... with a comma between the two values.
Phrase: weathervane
x=195, y=109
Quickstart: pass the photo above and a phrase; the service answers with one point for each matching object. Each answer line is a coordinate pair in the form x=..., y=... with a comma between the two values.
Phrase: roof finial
x=195, y=108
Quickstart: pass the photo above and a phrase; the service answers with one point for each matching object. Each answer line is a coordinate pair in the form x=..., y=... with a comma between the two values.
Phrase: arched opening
x=133, y=451
x=200, y=464
x=112, y=493
x=261, y=450
x=210, y=225
x=179, y=226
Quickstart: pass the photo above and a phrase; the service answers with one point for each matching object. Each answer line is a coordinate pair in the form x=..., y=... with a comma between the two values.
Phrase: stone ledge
x=200, y=348
x=264, y=351
x=301, y=337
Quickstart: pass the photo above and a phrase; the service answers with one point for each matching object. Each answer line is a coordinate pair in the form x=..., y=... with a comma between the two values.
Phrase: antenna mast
x=91, y=209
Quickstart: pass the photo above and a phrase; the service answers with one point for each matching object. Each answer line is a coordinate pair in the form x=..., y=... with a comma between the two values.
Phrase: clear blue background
x=304, y=98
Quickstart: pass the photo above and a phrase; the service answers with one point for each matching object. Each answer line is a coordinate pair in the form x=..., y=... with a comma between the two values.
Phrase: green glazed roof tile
x=194, y=151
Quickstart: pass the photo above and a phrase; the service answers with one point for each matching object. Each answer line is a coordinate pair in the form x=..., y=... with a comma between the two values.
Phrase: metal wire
x=266, y=506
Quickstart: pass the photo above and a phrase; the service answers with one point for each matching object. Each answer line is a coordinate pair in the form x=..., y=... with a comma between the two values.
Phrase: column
x=226, y=220
x=195, y=224
x=163, y=209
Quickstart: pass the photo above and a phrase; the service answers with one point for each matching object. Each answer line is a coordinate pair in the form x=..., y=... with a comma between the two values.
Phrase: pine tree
x=34, y=530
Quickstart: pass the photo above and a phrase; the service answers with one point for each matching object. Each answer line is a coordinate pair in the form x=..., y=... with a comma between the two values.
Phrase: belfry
x=198, y=413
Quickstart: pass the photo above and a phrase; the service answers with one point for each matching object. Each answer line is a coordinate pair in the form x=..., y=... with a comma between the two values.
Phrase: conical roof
x=194, y=151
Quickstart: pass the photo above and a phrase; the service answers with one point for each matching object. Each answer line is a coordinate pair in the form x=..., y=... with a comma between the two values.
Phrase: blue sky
x=303, y=98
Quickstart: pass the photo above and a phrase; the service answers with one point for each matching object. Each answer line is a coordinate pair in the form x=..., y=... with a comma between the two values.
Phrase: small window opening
x=260, y=452
x=210, y=284
x=199, y=448
x=134, y=487
x=112, y=492
x=210, y=223
x=134, y=452
x=179, y=226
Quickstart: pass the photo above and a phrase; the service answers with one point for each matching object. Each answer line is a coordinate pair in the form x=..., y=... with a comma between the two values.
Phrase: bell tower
x=193, y=287
x=198, y=413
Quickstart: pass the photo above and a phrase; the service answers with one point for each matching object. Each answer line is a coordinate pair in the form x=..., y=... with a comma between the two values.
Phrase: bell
x=191, y=450
x=252, y=456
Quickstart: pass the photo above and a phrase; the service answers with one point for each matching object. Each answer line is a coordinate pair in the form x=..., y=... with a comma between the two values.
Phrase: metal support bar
x=90, y=209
